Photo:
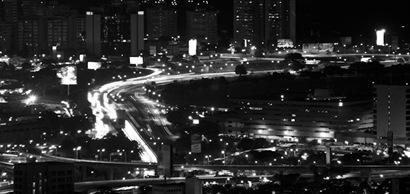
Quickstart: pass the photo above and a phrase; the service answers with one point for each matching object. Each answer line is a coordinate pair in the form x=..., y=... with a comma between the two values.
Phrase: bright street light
x=31, y=99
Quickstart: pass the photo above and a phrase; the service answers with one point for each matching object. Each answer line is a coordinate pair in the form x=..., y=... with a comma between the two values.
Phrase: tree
x=371, y=68
x=3, y=65
x=194, y=59
x=265, y=156
x=177, y=117
x=240, y=70
x=295, y=60
x=209, y=129
x=245, y=144
x=44, y=80
x=260, y=143
x=26, y=66
x=178, y=58
x=332, y=70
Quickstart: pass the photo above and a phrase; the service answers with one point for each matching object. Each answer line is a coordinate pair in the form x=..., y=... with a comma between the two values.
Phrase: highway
x=145, y=122
x=146, y=125
x=81, y=186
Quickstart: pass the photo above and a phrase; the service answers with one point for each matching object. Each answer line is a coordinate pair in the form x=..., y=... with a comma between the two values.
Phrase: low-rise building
x=288, y=118
x=44, y=177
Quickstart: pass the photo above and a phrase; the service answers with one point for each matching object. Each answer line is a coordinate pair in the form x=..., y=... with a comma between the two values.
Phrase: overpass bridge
x=189, y=167
x=93, y=185
x=371, y=171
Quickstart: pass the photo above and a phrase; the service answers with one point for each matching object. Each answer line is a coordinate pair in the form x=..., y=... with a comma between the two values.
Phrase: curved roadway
x=144, y=121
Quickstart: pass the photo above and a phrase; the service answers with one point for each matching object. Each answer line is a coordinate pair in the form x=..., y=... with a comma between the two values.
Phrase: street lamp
x=56, y=148
x=208, y=157
x=76, y=151
x=188, y=157
x=125, y=155
x=223, y=152
x=111, y=155
x=101, y=151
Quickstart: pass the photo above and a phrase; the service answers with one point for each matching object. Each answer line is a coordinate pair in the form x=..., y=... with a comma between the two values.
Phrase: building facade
x=115, y=30
x=137, y=33
x=161, y=22
x=293, y=119
x=392, y=112
x=31, y=33
x=202, y=25
x=6, y=35
x=11, y=10
x=261, y=23
x=42, y=178
x=93, y=33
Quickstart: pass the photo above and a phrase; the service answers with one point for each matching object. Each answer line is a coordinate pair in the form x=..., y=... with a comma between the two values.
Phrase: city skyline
x=330, y=18
x=204, y=96
x=303, y=22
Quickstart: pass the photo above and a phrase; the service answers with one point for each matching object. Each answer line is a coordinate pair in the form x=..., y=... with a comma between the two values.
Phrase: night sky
x=324, y=19
x=331, y=18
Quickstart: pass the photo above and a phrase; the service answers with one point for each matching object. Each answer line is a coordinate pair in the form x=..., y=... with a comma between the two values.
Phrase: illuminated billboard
x=5, y=59
x=136, y=60
x=153, y=50
x=192, y=47
x=346, y=40
x=318, y=48
x=285, y=43
x=82, y=57
x=325, y=47
x=93, y=65
x=380, y=37
x=68, y=75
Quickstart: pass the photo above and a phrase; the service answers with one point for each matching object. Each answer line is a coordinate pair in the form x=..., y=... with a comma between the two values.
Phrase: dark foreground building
x=44, y=177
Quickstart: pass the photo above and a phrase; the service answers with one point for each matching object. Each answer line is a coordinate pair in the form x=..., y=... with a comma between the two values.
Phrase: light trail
x=148, y=154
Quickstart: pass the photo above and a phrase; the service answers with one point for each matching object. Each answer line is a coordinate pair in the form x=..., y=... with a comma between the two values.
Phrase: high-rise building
x=202, y=25
x=161, y=22
x=262, y=22
x=33, y=8
x=45, y=177
x=11, y=10
x=31, y=35
x=38, y=34
x=40, y=27
x=93, y=33
x=115, y=29
x=57, y=31
x=392, y=112
x=137, y=33
x=6, y=34
x=80, y=34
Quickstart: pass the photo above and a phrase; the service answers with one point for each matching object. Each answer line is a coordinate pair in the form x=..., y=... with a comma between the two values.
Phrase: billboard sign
x=318, y=47
x=347, y=40
x=93, y=65
x=325, y=47
x=380, y=37
x=82, y=57
x=394, y=43
x=153, y=50
x=68, y=75
x=136, y=60
x=285, y=43
x=196, y=140
x=310, y=48
x=120, y=121
x=192, y=47
x=165, y=166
